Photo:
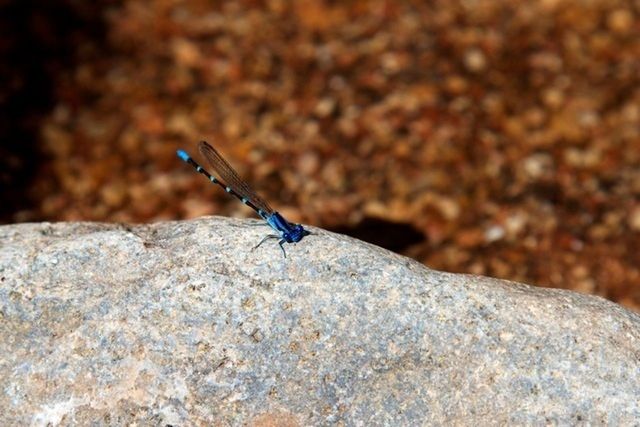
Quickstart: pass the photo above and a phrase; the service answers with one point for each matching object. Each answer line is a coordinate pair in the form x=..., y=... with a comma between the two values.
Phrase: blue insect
x=233, y=184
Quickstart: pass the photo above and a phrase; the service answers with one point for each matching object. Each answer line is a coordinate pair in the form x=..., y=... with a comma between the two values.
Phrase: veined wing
x=231, y=179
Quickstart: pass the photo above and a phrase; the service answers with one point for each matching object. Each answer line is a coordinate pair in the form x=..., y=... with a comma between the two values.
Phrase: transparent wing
x=230, y=178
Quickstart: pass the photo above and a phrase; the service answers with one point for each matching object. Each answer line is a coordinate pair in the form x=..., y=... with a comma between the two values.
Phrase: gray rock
x=181, y=323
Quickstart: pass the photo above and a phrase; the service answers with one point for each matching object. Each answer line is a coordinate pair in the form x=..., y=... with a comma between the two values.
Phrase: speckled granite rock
x=181, y=323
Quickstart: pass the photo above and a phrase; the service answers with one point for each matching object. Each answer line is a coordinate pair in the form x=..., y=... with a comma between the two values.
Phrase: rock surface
x=180, y=323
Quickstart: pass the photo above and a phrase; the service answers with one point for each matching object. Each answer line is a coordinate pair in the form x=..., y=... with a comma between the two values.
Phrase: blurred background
x=492, y=137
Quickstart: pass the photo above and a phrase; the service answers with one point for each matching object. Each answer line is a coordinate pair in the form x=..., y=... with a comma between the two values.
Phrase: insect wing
x=230, y=178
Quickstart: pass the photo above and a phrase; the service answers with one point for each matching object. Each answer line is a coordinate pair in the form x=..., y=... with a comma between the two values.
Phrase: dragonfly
x=230, y=181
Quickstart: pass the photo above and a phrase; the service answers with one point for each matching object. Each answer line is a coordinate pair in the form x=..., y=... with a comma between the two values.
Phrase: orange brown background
x=499, y=138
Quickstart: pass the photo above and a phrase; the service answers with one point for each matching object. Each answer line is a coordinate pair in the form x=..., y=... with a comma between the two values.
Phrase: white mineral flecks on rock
x=181, y=323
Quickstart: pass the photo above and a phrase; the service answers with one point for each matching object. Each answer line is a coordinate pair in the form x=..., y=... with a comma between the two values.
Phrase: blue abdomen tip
x=183, y=155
